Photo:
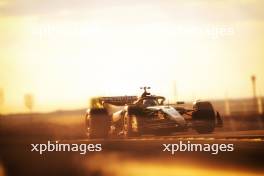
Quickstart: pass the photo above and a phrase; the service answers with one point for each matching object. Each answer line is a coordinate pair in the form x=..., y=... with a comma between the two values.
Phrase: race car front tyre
x=203, y=117
x=97, y=123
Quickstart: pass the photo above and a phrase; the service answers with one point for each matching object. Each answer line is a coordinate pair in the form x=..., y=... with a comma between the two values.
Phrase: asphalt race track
x=140, y=156
x=252, y=135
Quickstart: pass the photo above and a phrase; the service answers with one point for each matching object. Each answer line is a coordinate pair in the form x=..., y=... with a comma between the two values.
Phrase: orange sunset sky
x=64, y=52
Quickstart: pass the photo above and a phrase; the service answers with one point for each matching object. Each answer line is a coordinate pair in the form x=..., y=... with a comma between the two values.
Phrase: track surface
x=133, y=156
x=252, y=135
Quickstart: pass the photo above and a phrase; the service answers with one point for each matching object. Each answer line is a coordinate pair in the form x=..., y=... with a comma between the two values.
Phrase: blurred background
x=65, y=52
x=56, y=55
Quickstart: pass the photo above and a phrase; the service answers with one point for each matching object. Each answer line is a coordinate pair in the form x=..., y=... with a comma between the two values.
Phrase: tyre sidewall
x=204, y=117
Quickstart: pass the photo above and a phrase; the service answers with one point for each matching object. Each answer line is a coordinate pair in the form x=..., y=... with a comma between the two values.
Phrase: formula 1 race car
x=130, y=116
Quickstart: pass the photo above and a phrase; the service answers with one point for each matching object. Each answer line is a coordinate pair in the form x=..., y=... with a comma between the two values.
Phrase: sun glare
x=66, y=57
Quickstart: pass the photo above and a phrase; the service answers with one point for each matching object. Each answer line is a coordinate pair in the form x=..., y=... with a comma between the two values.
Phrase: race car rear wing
x=97, y=102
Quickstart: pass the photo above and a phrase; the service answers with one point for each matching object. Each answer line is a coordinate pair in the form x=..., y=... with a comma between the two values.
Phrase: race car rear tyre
x=203, y=117
x=130, y=126
x=135, y=110
x=97, y=123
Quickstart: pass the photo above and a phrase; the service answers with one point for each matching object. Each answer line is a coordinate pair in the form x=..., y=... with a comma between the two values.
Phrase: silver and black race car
x=129, y=116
